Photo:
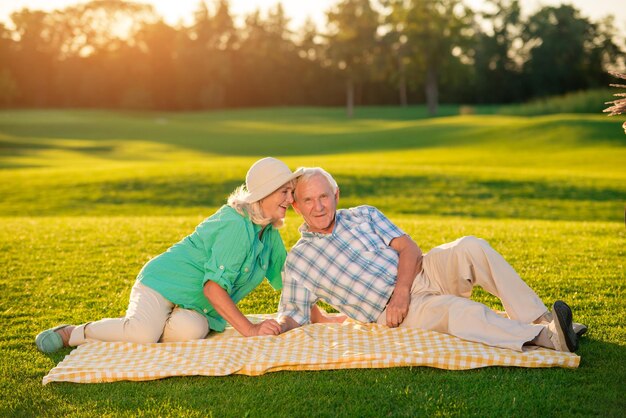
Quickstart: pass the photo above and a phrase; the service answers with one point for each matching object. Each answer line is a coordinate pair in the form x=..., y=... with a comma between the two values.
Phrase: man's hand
x=267, y=327
x=398, y=308
x=409, y=264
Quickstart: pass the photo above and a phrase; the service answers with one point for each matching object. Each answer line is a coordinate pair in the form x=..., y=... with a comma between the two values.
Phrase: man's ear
x=294, y=205
x=337, y=195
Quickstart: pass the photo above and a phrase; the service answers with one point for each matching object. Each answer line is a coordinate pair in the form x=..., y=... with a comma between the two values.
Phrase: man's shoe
x=579, y=329
x=563, y=336
x=49, y=340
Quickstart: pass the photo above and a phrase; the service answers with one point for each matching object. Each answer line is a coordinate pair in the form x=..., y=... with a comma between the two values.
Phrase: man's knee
x=471, y=243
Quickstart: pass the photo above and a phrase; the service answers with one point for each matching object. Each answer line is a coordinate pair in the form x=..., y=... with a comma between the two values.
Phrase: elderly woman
x=194, y=286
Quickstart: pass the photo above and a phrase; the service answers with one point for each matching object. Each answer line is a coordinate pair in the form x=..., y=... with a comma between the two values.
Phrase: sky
x=176, y=11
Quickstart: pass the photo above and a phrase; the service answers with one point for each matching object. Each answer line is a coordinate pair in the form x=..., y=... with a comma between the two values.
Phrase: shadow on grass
x=259, y=139
x=290, y=131
x=166, y=192
x=477, y=189
x=429, y=195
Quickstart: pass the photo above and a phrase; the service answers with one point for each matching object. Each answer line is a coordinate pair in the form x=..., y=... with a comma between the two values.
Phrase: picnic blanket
x=312, y=347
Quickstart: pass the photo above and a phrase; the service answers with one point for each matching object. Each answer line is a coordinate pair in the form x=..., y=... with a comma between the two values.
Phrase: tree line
x=120, y=54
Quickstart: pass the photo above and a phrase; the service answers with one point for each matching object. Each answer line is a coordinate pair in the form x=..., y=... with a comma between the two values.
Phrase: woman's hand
x=267, y=327
x=225, y=306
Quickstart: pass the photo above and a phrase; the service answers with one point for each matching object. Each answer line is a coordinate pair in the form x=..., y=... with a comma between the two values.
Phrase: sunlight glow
x=181, y=11
x=175, y=12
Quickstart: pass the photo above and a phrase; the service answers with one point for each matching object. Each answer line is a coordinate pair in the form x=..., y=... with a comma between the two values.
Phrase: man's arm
x=409, y=265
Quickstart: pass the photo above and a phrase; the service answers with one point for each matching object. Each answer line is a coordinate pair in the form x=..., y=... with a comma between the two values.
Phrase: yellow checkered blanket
x=313, y=347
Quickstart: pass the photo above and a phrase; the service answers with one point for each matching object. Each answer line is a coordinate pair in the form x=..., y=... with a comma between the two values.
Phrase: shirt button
x=246, y=269
x=264, y=266
x=221, y=267
x=206, y=310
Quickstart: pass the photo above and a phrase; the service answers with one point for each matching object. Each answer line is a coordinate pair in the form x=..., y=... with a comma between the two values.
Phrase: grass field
x=87, y=197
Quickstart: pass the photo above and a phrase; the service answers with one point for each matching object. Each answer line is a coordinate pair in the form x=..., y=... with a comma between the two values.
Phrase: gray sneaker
x=563, y=336
x=579, y=329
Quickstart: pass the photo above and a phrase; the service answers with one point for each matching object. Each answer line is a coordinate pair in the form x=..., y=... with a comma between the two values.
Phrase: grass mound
x=589, y=101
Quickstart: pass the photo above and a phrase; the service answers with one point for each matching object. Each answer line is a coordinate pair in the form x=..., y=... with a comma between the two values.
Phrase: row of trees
x=112, y=53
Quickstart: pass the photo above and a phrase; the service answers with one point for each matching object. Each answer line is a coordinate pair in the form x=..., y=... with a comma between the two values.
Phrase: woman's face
x=275, y=205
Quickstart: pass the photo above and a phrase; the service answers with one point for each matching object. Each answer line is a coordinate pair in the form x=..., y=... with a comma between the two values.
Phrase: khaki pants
x=149, y=318
x=440, y=296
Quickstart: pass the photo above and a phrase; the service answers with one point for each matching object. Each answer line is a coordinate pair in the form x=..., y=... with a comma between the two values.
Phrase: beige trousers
x=440, y=296
x=149, y=318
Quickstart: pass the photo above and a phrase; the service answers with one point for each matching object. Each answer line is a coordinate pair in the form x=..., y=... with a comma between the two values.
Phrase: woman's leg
x=185, y=325
x=144, y=321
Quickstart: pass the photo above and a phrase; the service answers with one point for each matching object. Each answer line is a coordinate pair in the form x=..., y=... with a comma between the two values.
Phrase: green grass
x=588, y=101
x=89, y=196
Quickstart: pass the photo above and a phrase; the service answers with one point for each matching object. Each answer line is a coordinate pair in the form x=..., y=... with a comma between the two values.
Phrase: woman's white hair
x=253, y=210
x=309, y=172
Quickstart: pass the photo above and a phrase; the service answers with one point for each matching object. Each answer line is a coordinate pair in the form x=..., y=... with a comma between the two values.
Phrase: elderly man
x=362, y=264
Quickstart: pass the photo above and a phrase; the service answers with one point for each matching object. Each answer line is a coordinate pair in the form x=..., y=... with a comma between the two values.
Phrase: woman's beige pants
x=440, y=296
x=149, y=318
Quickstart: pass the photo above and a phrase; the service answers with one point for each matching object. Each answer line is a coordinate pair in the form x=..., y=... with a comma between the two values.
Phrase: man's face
x=316, y=202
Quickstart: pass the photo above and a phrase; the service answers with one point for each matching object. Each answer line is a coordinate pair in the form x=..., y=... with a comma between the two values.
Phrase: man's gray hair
x=309, y=172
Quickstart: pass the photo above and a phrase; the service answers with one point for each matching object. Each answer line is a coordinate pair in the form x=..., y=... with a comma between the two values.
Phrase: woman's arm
x=225, y=306
x=318, y=315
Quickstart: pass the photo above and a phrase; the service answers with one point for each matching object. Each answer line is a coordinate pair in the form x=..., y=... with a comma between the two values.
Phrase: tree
x=33, y=58
x=8, y=86
x=352, y=39
x=566, y=52
x=394, y=63
x=496, y=60
x=159, y=44
x=113, y=53
x=432, y=29
x=282, y=56
x=320, y=84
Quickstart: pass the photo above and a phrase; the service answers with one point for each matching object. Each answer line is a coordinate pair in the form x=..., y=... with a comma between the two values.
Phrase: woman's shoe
x=49, y=340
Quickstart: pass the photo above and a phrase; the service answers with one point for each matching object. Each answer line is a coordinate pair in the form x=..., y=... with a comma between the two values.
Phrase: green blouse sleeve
x=227, y=244
x=276, y=262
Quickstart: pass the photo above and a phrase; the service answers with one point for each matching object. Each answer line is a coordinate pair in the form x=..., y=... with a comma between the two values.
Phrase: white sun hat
x=266, y=176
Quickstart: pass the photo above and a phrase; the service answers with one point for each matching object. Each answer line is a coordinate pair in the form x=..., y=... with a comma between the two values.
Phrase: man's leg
x=469, y=261
x=473, y=321
x=469, y=320
x=143, y=323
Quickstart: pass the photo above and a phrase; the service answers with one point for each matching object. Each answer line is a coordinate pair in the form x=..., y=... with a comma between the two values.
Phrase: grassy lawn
x=87, y=197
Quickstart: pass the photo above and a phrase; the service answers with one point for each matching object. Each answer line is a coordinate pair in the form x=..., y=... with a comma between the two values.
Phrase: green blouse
x=224, y=248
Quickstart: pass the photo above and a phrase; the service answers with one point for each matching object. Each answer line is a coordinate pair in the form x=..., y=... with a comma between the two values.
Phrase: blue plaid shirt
x=352, y=269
